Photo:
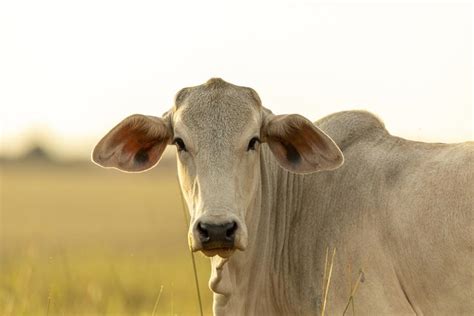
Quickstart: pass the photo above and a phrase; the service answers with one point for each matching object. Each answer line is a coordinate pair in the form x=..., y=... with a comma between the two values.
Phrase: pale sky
x=69, y=71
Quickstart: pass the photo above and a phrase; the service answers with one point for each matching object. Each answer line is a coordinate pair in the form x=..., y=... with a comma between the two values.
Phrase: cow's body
x=398, y=210
x=271, y=195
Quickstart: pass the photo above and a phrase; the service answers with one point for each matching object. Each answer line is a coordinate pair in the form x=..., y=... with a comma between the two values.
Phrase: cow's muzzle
x=217, y=236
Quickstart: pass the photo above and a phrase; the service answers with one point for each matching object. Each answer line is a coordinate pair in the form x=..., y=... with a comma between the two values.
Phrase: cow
x=270, y=196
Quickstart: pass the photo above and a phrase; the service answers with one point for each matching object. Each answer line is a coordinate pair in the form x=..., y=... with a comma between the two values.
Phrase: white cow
x=398, y=212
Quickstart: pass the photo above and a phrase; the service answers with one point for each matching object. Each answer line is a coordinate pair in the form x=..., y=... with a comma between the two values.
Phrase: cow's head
x=219, y=130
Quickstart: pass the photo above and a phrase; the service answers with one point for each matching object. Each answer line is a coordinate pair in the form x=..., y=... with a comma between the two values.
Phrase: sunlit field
x=80, y=240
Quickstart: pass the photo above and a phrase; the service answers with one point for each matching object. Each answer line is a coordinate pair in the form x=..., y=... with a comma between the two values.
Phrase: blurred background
x=79, y=240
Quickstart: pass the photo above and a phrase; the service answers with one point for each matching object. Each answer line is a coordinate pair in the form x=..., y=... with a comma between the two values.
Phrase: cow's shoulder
x=349, y=127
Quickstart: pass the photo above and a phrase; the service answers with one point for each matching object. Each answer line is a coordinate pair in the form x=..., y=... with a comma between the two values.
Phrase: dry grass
x=327, y=275
x=86, y=241
x=327, y=279
x=353, y=292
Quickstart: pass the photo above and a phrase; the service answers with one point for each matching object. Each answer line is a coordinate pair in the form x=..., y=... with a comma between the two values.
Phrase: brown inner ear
x=301, y=141
x=142, y=156
x=139, y=144
x=291, y=153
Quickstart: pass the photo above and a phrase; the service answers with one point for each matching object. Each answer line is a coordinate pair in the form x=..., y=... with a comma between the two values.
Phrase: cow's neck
x=264, y=267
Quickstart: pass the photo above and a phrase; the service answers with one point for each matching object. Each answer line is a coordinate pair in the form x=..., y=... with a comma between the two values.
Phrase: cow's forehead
x=217, y=108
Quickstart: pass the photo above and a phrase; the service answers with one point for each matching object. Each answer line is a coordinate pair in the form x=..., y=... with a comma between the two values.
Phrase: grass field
x=88, y=241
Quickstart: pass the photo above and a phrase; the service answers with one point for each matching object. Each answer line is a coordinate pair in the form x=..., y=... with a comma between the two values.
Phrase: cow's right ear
x=135, y=144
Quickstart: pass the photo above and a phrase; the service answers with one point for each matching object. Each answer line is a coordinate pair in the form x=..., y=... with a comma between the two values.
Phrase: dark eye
x=253, y=143
x=179, y=144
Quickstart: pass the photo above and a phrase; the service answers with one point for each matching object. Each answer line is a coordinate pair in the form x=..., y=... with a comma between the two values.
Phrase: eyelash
x=253, y=142
x=179, y=144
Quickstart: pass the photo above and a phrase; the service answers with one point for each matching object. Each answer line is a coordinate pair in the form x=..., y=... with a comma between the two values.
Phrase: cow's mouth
x=224, y=252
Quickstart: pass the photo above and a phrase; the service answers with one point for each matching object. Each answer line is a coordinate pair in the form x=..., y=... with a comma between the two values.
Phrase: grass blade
x=196, y=280
x=351, y=298
x=157, y=301
x=326, y=291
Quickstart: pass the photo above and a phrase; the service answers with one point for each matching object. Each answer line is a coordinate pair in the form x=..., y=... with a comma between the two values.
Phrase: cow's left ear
x=299, y=146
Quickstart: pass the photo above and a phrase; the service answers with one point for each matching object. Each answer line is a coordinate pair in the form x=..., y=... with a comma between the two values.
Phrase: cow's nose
x=214, y=236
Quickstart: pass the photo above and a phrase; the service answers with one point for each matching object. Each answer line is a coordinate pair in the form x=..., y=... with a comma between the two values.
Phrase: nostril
x=216, y=235
x=230, y=232
x=203, y=232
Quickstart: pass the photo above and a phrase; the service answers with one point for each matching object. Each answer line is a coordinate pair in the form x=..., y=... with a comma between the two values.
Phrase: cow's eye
x=253, y=143
x=179, y=144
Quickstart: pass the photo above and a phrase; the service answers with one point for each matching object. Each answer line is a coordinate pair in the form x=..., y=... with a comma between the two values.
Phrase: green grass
x=87, y=241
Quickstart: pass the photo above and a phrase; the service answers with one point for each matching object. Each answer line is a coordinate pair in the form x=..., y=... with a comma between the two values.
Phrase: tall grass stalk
x=196, y=280
x=157, y=301
x=328, y=283
x=351, y=298
x=323, y=285
x=49, y=304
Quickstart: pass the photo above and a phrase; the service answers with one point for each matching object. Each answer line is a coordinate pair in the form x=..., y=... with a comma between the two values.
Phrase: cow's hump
x=348, y=127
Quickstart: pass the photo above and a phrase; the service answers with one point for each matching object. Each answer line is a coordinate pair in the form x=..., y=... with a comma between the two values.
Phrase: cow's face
x=218, y=129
